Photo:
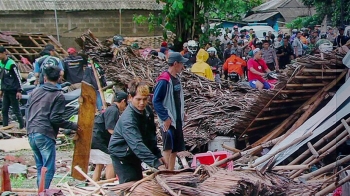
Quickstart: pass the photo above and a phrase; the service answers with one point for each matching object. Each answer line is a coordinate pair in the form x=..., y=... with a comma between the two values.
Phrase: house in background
x=276, y=12
x=104, y=18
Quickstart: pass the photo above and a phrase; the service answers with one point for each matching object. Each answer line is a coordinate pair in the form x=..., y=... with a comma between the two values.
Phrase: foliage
x=301, y=22
x=17, y=180
x=331, y=8
x=152, y=21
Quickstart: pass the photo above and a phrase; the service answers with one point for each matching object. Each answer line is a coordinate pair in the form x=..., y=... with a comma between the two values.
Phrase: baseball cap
x=49, y=47
x=256, y=50
x=164, y=44
x=120, y=96
x=176, y=57
x=71, y=51
x=2, y=49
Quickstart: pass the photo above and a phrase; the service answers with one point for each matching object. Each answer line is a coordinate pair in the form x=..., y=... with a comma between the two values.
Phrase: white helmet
x=192, y=46
x=326, y=47
x=212, y=50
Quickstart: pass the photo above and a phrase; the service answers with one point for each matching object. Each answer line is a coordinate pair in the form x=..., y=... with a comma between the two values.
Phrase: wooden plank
x=86, y=115
x=301, y=91
x=261, y=127
x=35, y=42
x=306, y=85
x=323, y=70
x=286, y=100
x=281, y=108
x=315, y=77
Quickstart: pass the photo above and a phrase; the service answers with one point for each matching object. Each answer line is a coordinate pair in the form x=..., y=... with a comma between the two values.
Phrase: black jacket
x=215, y=62
x=10, y=79
x=45, y=110
x=340, y=40
x=135, y=134
x=74, y=69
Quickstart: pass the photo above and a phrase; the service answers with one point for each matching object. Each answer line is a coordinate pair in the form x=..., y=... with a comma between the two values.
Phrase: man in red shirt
x=256, y=70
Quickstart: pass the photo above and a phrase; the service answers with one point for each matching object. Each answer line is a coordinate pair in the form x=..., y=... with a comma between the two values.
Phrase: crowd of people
x=236, y=55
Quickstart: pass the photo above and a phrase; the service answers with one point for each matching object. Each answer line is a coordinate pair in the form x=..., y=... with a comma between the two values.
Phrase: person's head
x=298, y=34
x=229, y=44
x=272, y=36
x=266, y=44
x=50, y=48
x=196, y=38
x=212, y=51
x=184, y=46
x=51, y=74
x=121, y=100
x=257, y=53
x=176, y=62
x=72, y=51
x=269, y=33
x=285, y=41
x=251, y=31
x=315, y=33
x=192, y=46
x=253, y=36
x=242, y=36
x=279, y=37
x=312, y=39
x=235, y=44
x=323, y=36
x=317, y=27
x=3, y=53
x=341, y=31
x=118, y=40
x=264, y=34
x=138, y=94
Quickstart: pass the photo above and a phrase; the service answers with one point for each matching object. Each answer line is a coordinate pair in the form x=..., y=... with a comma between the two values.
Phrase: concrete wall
x=103, y=24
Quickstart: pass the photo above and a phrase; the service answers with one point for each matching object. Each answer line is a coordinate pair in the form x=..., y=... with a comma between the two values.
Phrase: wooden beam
x=286, y=100
x=261, y=127
x=315, y=77
x=306, y=85
x=272, y=117
x=281, y=108
x=323, y=70
x=300, y=91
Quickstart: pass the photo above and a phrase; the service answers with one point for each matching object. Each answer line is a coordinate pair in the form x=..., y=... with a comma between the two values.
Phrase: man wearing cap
x=74, y=69
x=103, y=129
x=168, y=102
x=10, y=88
x=256, y=70
x=47, y=59
x=341, y=39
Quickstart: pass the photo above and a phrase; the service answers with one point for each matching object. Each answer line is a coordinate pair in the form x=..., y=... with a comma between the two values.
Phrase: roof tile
x=70, y=5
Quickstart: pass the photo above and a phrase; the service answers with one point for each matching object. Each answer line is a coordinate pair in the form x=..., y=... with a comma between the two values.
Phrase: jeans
x=9, y=98
x=44, y=149
x=99, y=103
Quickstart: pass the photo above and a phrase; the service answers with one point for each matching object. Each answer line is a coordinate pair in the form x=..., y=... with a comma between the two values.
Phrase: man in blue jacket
x=168, y=102
x=44, y=117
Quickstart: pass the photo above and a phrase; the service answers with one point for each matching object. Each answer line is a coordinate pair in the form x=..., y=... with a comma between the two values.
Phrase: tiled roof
x=72, y=5
x=259, y=17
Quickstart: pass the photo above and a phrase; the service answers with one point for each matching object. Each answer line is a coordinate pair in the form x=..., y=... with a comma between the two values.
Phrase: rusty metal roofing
x=77, y=5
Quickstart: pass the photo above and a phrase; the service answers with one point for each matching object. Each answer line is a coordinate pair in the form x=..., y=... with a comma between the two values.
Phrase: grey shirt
x=297, y=44
x=269, y=55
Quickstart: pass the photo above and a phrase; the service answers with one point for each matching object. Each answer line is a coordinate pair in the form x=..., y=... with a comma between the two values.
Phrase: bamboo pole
x=104, y=106
x=346, y=126
x=306, y=85
x=162, y=183
x=332, y=186
x=290, y=167
x=318, y=143
x=326, y=168
x=69, y=189
x=235, y=150
x=312, y=149
x=89, y=179
x=268, y=156
x=330, y=148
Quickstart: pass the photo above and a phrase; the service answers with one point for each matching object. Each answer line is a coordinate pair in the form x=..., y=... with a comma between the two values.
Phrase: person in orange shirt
x=233, y=67
x=184, y=49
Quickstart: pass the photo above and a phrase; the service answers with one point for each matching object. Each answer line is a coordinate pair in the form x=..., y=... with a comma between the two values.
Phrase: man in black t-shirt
x=284, y=52
x=103, y=129
x=74, y=69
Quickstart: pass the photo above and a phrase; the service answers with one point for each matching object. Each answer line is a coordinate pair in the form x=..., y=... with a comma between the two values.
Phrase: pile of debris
x=212, y=108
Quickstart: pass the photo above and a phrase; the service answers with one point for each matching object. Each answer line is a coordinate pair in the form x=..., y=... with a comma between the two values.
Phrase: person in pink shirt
x=257, y=68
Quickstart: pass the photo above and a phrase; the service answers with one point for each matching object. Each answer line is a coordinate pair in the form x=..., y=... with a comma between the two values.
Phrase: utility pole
x=56, y=21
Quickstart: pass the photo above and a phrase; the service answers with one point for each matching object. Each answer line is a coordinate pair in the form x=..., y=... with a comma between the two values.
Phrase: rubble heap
x=212, y=108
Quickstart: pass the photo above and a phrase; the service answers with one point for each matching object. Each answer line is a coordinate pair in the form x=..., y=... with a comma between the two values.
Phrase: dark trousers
x=127, y=169
x=271, y=66
x=9, y=99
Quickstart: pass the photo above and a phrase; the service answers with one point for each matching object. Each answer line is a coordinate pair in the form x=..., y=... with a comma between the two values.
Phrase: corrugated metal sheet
x=270, y=5
x=75, y=5
x=259, y=17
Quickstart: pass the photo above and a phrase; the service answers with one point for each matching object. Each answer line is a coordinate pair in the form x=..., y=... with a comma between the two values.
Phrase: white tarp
x=334, y=111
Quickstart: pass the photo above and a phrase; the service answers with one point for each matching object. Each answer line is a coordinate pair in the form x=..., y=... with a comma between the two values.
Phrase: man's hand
x=167, y=124
x=36, y=82
x=18, y=95
x=161, y=167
